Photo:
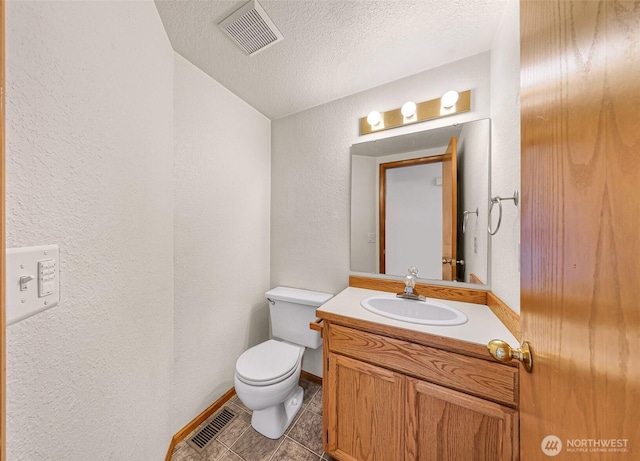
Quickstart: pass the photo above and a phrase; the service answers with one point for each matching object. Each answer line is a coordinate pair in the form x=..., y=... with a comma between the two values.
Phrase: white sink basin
x=408, y=310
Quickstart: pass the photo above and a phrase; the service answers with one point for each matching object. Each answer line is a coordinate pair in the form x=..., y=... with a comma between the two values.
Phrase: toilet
x=267, y=375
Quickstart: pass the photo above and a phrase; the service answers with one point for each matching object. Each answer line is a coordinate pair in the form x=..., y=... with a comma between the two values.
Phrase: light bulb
x=373, y=118
x=449, y=99
x=408, y=109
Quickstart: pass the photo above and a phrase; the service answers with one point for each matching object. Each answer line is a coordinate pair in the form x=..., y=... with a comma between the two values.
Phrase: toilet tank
x=291, y=311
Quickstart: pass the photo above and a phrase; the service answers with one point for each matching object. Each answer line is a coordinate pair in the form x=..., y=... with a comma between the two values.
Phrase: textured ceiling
x=331, y=48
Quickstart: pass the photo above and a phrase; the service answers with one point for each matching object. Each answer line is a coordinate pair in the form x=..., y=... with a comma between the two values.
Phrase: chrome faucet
x=410, y=286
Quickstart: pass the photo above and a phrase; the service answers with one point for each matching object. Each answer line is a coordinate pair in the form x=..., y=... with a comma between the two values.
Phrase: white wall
x=364, y=180
x=89, y=167
x=474, y=155
x=505, y=154
x=222, y=182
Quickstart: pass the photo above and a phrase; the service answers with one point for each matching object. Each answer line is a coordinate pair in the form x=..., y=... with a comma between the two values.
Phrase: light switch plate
x=37, y=268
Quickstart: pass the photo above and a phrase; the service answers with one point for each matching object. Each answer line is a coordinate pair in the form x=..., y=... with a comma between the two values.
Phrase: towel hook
x=466, y=216
x=499, y=200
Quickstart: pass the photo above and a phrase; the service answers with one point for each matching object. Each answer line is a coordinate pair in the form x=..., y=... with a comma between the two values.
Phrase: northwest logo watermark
x=552, y=445
x=598, y=445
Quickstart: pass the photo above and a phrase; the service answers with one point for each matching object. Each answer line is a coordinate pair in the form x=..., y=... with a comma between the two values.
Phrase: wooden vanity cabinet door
x=447, y=425
x=365, y=411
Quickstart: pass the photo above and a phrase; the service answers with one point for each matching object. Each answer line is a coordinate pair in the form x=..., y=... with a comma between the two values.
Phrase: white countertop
x=482, y=326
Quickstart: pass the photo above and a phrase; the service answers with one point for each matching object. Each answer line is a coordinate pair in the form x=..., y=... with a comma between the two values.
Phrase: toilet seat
x=268, y=363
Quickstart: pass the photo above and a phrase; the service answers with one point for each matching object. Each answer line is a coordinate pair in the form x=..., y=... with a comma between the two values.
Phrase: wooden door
x=580, y=304
x=365, y=420
x=450, y=211
x=446, y=425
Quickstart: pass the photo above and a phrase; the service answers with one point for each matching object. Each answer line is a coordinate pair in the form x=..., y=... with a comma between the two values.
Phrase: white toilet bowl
x=267, y=375
x=266, y=381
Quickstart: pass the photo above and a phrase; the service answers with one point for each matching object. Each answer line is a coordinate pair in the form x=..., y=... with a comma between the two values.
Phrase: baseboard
x=202, y=417
x=506, y=315
x=309, y=377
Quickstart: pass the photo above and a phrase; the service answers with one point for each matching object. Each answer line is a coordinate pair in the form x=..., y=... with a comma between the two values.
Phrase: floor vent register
x=208, y=433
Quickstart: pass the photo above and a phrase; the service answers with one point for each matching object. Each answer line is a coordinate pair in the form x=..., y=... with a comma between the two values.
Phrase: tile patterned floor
x=302, y=441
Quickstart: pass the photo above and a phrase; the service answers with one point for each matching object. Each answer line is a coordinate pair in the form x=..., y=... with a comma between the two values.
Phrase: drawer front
x=467, y=374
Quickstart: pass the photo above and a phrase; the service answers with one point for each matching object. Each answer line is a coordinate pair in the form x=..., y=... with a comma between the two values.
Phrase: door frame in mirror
x=382, y=201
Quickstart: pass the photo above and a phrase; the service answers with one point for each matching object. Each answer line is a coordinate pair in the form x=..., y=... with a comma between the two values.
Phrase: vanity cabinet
x=364, y=422
x=391, y=399
x=443, y=424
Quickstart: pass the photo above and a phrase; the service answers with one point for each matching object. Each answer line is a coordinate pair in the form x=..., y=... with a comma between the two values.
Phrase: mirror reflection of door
x=415, y=194
x=472, y=191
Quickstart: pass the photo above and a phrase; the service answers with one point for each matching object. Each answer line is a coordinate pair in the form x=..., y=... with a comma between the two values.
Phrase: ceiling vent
x=251, y=29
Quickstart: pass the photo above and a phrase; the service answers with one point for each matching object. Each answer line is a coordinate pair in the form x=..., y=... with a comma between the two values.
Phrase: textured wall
x=505, y=154
x=89, y=167
x=474, y=142
x=222, y=163
x=364, y=179
x=311, y=173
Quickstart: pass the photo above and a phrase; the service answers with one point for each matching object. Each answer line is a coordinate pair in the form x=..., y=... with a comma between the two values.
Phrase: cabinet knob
x=502, y=352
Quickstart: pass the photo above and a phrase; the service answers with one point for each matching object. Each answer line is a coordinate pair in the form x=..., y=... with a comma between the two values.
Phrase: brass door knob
x=452, y=261
x=502, y=352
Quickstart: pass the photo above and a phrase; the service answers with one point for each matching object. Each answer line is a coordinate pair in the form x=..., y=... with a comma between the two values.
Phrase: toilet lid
x=267, y=361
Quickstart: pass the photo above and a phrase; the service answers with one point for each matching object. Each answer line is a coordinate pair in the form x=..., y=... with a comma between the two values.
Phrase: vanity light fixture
x=449, y=99
x=412, y=112
x=374, y=118
x=408, y=109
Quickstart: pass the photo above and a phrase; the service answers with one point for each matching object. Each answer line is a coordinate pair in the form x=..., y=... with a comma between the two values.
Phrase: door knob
x=452, y=261
x=502, y=352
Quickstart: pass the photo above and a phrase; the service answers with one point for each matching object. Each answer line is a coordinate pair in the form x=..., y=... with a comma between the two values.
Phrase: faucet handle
x=410, y=279
x=410, y=284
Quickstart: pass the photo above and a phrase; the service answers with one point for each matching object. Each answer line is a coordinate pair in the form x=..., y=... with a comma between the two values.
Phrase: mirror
x=421, y=199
